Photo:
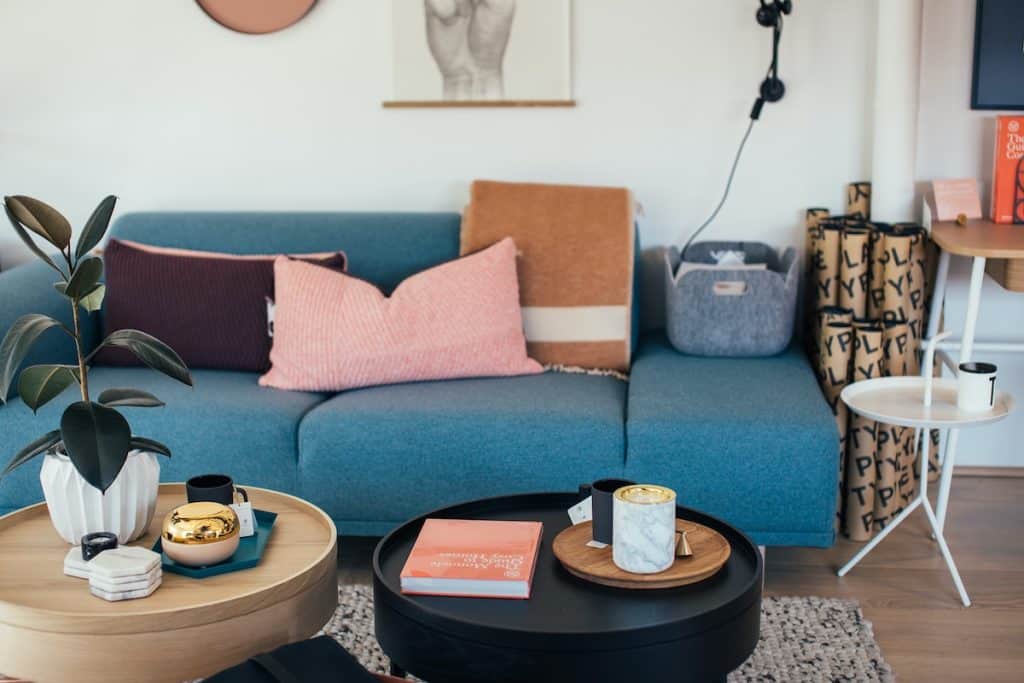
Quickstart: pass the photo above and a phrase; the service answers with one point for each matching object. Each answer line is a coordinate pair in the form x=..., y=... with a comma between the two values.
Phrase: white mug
x=976, y=387
x=644, y=528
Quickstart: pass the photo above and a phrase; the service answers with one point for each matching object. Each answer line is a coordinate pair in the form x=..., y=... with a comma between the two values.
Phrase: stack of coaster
x=124, y=573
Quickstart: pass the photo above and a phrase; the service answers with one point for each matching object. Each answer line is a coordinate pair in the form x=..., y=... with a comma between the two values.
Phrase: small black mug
x=215, y=488
x=601, y=496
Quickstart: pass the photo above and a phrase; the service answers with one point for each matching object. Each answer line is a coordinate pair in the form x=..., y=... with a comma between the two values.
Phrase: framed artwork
x=998, y=81
x=481, y=53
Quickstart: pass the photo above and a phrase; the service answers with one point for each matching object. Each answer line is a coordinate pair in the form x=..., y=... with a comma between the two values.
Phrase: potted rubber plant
x=96, y=475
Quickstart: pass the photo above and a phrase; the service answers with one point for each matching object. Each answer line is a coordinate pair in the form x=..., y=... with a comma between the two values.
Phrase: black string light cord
x=772, y=90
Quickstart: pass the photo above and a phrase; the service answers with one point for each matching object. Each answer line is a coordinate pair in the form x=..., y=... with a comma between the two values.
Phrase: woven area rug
x=802, y=639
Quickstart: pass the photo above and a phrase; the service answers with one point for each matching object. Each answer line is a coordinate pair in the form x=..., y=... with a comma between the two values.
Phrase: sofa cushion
x=210, y=307
x=226, y=423
x=384, y=248
x=374, y=457
x=748, y=439
x=334, y=332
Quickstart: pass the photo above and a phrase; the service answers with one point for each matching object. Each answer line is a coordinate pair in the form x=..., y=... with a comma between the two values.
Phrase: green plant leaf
x=40, y=384
x=97, y=439
x=93, y=301
x=129, y=397
x=150, y=351
x=31, y=243
x=95, y=227
x=42, y=219
x=17, y=343
x=40, y=445
x=85, y=278
x=144, y=444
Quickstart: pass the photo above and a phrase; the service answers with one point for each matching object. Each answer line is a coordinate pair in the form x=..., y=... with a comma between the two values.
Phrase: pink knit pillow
x=333, y=331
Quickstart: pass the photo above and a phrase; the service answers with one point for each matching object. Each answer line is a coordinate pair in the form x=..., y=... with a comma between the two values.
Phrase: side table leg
x=922, y=496
x=946, y=479
x=845, y=569
x=946, y=555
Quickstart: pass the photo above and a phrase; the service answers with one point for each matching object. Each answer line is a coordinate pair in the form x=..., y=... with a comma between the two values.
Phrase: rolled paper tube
x=896, y=275
x=917, y=294
x=812, y=224
x=858, y=199
x=933, y=456
x=907, y=483
x=842, y=414
x=853, y=270
x=876, y=280
x=824, y=316
x=836, y=353
x=888, y=442
x=895, y=340
x=859, y=494
x=835, y=314
x=868, y=354
x=866, y=322
x=827, y=264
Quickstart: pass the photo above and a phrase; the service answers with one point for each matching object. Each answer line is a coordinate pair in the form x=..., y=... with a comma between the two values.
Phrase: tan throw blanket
x=575, y=265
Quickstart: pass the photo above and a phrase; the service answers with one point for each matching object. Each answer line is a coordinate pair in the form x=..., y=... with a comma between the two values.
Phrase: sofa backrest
x=383, y=248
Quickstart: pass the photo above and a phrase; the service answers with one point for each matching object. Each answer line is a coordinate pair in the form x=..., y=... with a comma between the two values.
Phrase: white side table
x=924, y=403
x=987, y=244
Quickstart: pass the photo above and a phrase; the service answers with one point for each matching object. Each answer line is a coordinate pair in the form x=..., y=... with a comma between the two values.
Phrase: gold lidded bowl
x=645, y=494
x=200, y=534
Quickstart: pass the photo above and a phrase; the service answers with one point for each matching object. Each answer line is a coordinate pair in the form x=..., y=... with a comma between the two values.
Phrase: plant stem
x=84, y=383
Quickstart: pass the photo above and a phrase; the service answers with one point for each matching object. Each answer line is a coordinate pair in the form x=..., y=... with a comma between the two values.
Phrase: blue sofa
x=749, y=440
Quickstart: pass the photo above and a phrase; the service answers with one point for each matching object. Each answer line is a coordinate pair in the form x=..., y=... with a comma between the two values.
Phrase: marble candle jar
x=644, y=528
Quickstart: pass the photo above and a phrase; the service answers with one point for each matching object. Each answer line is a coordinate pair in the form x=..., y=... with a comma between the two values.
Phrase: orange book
x=1008, y=171
x=473, y=558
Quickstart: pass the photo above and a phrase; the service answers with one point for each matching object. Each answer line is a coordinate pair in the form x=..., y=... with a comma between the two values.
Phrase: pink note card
x=956, y=196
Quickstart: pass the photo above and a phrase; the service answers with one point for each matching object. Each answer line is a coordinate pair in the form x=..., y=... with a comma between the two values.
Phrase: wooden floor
x=903, y=586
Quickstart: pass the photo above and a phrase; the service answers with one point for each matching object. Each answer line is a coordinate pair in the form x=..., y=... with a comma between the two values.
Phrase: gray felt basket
x=731, y=312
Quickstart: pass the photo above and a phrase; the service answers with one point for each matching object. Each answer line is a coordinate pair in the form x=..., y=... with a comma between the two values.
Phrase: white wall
x=956, y=142
x=155, y=102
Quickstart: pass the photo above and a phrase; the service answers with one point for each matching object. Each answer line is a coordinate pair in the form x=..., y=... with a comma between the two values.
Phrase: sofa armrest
x=28, y=288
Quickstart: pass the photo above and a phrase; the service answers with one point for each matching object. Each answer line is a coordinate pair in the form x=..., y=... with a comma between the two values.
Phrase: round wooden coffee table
x=53, y=629
x=569, y=629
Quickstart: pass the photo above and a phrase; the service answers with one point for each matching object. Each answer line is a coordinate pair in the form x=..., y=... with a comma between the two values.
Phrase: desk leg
x=938, y=295
x=966, y=349
x=973, y=302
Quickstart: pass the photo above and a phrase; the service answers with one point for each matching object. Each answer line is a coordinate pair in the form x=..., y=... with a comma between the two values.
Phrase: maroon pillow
x=211, y=308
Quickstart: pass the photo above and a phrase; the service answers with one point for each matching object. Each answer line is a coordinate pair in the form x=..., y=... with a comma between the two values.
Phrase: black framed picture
x=998, y=81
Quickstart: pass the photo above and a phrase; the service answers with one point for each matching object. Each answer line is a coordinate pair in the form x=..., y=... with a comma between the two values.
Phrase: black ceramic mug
x=600, y=493
x=215, y=488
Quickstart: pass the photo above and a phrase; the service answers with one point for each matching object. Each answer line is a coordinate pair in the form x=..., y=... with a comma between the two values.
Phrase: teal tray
x=248, y=555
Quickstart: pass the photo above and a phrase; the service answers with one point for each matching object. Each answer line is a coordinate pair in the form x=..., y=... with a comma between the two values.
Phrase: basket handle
x=729, y=288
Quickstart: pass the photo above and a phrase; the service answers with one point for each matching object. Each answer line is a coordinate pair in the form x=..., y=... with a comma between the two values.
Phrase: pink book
x=473, y=558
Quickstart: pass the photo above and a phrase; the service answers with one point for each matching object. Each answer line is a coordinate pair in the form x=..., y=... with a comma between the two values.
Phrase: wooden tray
x=710, y=553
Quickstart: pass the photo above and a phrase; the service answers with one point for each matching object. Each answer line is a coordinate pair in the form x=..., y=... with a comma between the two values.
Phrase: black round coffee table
x=569, y=629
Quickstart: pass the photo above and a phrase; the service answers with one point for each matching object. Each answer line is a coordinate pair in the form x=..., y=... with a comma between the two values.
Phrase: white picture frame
x=481, y=53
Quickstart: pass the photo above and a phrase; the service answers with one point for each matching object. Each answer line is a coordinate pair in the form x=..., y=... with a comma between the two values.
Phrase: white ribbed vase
x=76, y=508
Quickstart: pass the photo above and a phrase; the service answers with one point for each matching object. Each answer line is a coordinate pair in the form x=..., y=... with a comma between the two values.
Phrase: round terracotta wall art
x=256, y=16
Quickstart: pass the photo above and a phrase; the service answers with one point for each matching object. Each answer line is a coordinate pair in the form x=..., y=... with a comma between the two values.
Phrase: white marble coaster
x=123, y=595
x=133, y=561
x=74, y=565
x=127, y=583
